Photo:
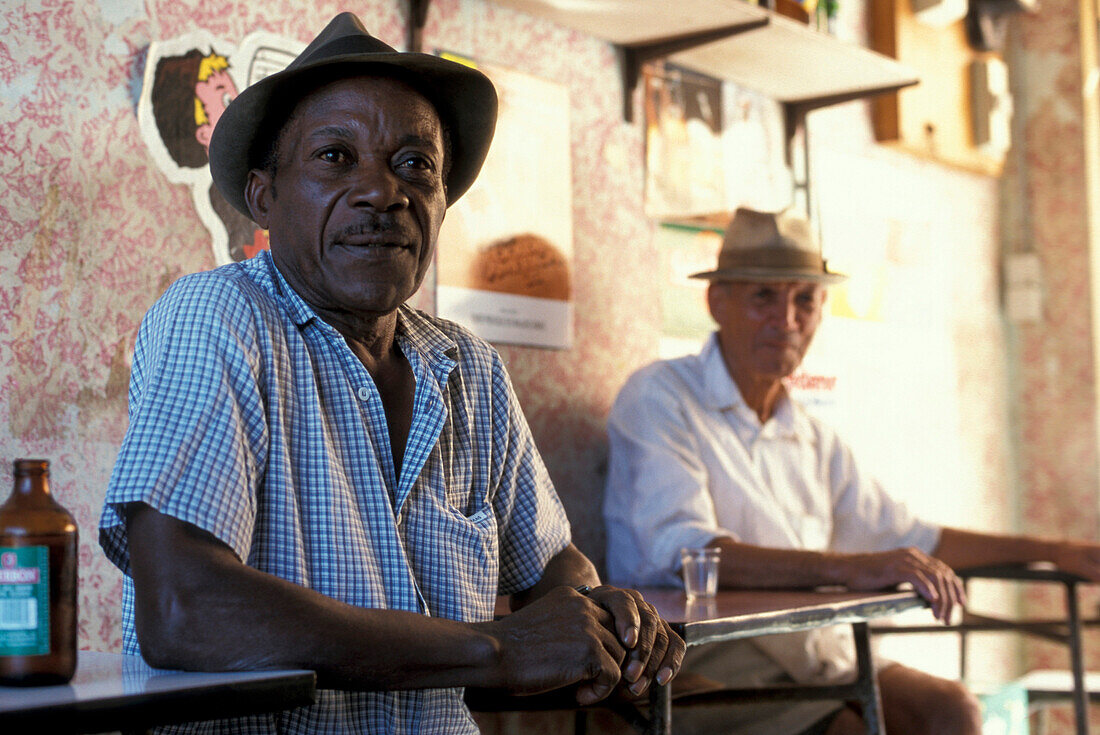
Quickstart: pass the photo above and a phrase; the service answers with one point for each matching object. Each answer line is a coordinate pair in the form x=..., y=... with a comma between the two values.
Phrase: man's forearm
x=745, y=566
x=959, y=549
x=199, y=608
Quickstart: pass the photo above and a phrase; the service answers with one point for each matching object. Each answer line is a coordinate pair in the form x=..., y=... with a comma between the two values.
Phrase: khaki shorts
x=740, y=664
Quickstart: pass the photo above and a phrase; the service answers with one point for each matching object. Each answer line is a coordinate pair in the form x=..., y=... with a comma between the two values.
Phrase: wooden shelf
x=755, y=48
x=641, y=22
x=798, y=65
x=801, y=68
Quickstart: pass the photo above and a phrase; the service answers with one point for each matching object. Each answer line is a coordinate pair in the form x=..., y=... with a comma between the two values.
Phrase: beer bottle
x=37, y=582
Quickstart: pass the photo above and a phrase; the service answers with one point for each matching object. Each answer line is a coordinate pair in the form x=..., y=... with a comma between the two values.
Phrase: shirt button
x=363, y=393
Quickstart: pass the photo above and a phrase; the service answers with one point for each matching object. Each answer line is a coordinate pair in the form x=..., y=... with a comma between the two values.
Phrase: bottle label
x=24, y=601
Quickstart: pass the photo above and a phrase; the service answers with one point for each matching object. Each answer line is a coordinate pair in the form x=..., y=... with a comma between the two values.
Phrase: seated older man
x=711, y=450
x=316, y=475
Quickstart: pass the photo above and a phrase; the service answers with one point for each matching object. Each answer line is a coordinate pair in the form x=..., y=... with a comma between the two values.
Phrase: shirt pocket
x=471, y=551
x=463, y=489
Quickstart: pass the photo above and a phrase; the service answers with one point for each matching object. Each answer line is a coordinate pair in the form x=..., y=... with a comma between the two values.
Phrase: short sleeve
x=194, y=445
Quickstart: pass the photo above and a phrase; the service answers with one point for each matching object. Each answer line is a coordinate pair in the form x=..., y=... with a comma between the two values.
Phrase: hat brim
x=464, y=98
x=769, y=275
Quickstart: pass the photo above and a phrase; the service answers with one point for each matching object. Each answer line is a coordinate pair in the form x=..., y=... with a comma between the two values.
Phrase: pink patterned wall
x=1056, y=435
x=91, y=233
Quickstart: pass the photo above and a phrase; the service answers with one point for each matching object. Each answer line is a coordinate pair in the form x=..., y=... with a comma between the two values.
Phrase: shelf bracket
x=633, y=56
x=418, y=17
x=796, y=136
x=798, y=157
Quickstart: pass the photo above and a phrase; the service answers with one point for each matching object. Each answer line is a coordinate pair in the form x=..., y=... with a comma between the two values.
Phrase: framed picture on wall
x=753, y=151
x=684, y=169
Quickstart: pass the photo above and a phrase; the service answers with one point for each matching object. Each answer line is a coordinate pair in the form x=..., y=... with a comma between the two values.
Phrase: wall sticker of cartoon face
x=214, y=90
x=190, y=92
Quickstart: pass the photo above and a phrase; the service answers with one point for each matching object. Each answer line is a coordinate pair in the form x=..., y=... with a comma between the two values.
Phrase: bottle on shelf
x=825, y=17
x=38, y=562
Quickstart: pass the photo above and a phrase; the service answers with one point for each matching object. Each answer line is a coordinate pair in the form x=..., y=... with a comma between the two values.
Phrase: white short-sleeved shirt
x=690, y=461
x=251, y=418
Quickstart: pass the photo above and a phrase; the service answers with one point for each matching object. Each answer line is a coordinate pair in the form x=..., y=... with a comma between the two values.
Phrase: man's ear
x=257, y=195
x=714, y=300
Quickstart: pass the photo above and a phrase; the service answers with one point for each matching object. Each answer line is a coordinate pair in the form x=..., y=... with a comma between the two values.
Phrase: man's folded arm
x=198, y=607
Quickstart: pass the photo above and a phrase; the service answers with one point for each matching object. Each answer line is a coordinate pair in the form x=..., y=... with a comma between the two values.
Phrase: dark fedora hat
x=464, y=98
x=770, y=246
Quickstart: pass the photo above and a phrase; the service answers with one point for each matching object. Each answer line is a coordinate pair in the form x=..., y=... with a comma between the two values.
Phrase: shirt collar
x=413, y=328
x=789, y=419
x=426, y=338
x=300, y=312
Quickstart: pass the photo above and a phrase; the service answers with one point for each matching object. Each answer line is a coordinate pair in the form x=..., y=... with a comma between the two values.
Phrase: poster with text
x=505, y=257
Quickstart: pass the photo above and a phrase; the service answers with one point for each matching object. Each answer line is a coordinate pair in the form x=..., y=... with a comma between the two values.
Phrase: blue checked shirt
x=251, y=418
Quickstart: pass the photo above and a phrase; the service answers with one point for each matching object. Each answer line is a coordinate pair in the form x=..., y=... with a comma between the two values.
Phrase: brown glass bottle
x=38, y=559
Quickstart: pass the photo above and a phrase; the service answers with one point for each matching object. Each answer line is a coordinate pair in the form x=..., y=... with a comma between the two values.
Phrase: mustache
x=372, y=225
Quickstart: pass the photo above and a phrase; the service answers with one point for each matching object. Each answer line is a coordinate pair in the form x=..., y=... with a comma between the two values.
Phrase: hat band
x=783, y=258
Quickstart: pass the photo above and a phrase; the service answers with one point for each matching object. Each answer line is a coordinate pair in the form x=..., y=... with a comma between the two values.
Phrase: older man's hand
x=931, y=578
x=565, y=638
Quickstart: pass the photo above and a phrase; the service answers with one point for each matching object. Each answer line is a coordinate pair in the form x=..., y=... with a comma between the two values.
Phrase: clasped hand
x=595, y=641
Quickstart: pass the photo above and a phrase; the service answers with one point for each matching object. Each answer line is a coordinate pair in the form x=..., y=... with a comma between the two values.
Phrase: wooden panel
x=933, y=119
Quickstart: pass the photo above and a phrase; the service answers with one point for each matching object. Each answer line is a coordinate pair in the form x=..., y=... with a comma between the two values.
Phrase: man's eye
x=420, y=163
x=808, y=299
x=333, y=155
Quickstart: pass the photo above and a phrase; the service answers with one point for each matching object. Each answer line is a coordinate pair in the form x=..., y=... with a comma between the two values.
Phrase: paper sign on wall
x=505, y=256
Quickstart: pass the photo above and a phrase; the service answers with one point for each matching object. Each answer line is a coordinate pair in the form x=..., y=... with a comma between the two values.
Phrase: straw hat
x=770, y=246
x=464, y=98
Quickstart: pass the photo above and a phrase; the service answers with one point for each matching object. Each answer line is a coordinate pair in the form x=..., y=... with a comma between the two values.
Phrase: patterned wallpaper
x=91, y=233
x=1055, y=389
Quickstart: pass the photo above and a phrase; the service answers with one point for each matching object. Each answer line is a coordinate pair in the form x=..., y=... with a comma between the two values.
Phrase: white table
x=735, y=614
x=112, y=691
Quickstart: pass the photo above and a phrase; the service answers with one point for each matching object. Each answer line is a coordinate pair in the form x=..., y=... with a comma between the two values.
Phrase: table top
x=735, y=614
x=113, y=691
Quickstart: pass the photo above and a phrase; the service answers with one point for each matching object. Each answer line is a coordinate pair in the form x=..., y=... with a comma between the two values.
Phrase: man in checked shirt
x=316, y=475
